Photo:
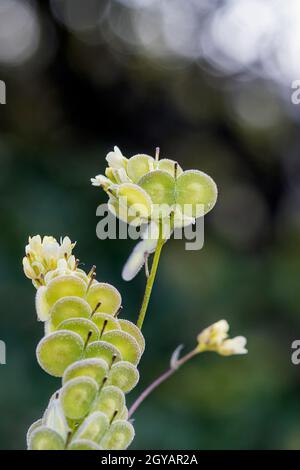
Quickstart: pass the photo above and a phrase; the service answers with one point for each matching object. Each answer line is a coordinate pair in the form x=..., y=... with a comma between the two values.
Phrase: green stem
x=151, y=278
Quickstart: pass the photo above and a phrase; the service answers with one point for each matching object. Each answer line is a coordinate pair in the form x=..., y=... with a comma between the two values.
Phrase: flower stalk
x=151, y=279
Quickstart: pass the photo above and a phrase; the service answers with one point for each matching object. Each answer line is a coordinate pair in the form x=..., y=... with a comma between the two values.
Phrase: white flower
x=115, y=158
x=100, y=180
x=214, y=338
x=214, y=335
x=144, y=248
x=138, y=256
x=42, y=256
x=233, y=346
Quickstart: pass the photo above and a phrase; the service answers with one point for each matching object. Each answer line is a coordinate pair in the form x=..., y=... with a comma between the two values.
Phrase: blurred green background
x=210, y=83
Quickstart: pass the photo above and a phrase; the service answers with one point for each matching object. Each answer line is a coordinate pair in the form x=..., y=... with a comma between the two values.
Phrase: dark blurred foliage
x=68, y=103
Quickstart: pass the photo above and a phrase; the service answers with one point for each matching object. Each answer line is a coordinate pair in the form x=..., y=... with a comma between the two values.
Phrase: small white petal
x=100, y=180
x=41, y=304
x=135, y=261
x=115, y=159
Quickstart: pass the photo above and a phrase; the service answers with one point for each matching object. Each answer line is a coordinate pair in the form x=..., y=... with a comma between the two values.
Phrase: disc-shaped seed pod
x=77, y=396
x=138, y=166
x=160, y=186
x=128, y=215
x=93, y=427
x=125, y=344
x=104, y=297
x=65, y=286
x=103, y=350
x=44, y=438
x=105, y=322
x=83, y=444
x=124, y=375
x=134, y=331
x=134, y=199
x=197, y=189
x=110, y=401
x=119, y=436
x=36, y=424
x=95, y=368
x=58, y=350
x=69, y=307
x=170, y=166
x=84, y=327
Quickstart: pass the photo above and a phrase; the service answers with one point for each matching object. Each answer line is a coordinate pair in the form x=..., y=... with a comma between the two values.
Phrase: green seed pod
x=38, y=423
x=138, y=166
x=119, y=436
x=128, y=215
x=105, y=322
x=69, y=307
x=134, y=331
x=104, y=298
x=58, y=350
x=125, y=343
x=133, y=197
x=65, y=286
x=130, y=204
x=95, y=368
x=54, y=418
x=124, y=375
x=196, y=188
x=160, y=186
x=43, y=438
x=83, y=444
x=170, y=166
x=77, y=396
x=84, y=327
x=93, y=427
x=110, y=401
x=103, y=350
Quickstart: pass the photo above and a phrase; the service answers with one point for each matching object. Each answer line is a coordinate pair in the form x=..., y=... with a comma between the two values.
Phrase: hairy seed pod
x=170, y=166
x=77, y=396
x=58, y=350
x=95, y=368
x=105, y=322
x=125, y=344
x=69, y=307
x=83, y=444
x=103, y=350
x=44, y=438
x=104, y=298
x=196, y=188
x=138, y=166
x=93, y=427
x=119, y=436
x=160, y=186
x=124, y=375
x=84, y=327
x=110, y=401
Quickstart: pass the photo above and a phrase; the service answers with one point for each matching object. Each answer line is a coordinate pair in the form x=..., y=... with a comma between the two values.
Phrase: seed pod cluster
x=142, y=188
x=95, y=353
